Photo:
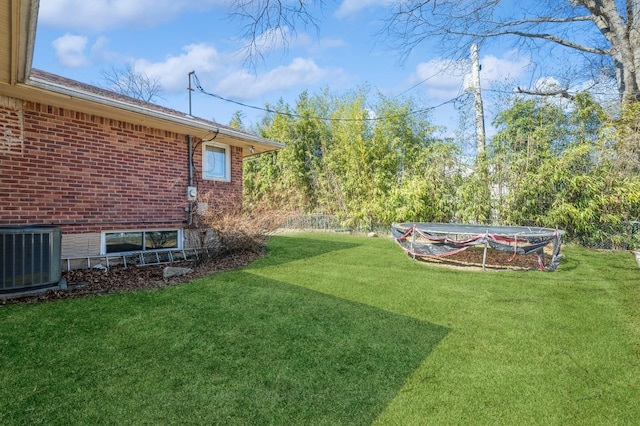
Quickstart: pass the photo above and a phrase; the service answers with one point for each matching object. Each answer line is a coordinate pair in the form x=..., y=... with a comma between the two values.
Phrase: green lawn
x=333, y=329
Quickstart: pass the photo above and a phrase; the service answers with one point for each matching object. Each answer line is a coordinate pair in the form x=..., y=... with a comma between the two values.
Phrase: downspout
x=190, y=175
x=190, y=159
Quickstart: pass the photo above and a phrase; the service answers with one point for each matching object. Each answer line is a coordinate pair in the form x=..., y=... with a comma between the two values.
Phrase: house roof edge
x=61, y=85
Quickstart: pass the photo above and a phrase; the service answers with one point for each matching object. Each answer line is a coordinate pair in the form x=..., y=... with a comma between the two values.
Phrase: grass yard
x=334, y=329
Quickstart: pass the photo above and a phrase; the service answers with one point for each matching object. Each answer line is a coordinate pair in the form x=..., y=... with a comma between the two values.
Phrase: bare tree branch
x=554, y=39
x=563, y=92
x=270, y=24
x=128, y=82
x=606, y=28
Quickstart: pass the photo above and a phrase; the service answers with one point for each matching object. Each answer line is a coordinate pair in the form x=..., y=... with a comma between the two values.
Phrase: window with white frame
x=128, y=241
x=216, y=161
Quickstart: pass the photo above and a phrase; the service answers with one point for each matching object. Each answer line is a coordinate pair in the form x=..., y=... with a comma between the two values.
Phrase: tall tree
x=127, y=81
x=236, y=121
x=556, y=167
x=604, y=32
x=532, y=133
x=368, y=162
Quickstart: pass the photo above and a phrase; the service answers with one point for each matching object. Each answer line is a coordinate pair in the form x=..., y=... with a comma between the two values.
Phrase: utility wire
x=293, y=115
x=415, y=85
x=419, y=83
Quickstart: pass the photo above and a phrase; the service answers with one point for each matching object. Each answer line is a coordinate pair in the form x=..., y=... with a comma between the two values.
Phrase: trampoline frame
x=438, y=240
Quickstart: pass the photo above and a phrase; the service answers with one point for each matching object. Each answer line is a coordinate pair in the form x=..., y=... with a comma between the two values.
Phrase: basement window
x=128, y=241
x=216, y=161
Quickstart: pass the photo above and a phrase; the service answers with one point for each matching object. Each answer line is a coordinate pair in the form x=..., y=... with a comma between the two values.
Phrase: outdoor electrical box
x=192, y=193
x=202, y=209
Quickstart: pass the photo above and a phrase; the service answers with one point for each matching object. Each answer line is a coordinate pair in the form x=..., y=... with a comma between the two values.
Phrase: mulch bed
x=117, y=279
x=88, y=282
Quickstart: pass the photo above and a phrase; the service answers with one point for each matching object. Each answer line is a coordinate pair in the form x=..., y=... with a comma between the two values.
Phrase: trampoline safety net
x=439, y=240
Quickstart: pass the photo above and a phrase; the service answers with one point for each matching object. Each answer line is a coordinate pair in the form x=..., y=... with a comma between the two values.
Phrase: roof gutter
x=186, y=120
x=24, y=18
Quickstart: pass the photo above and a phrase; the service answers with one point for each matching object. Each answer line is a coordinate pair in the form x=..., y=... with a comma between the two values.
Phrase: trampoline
x=498, y=247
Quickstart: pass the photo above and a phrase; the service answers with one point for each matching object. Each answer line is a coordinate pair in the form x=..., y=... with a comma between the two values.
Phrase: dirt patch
x=495, y=260
x=118, y=279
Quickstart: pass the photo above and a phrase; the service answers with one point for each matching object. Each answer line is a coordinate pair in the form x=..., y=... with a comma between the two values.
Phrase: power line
x=417, y=84
x=293, y=115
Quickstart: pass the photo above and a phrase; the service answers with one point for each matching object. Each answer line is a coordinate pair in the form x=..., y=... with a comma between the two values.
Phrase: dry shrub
x=230, y=228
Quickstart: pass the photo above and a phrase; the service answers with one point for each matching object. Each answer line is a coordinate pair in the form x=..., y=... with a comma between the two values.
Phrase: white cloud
x=101, y=53
x=445, y=79
x=352, y=7
x=509, y=67
x=172, y=72
x=547, y=84
x=299, y=73
x=224, y=74
x=100, y=15
x=281, y=39
x=327, y=44
x=276, y=39
x=70, y=50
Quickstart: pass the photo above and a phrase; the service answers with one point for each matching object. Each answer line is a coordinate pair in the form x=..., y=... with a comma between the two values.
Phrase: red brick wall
x=90, y=174
x=215, y=191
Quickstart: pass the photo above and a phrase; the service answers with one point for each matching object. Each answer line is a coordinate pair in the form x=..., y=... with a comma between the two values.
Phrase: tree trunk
x=624, y=40
x=633, y=30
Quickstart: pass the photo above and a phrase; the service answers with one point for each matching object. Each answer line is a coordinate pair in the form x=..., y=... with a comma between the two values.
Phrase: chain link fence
x=323, y=222
x=622, y=236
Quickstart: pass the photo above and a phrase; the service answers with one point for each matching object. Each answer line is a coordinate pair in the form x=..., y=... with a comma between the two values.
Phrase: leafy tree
x=560, y=166
x=348, y=158
x=289, y=177
x=305, y=154
x=263, y=176
x=521, y=154
x=420, y=171
x=236, y=121
x=623, y=140
x=473, y=199
x=373, y=163
x=428, y=189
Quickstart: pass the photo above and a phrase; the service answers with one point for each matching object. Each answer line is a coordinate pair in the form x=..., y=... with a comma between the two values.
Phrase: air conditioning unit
x=29, y=257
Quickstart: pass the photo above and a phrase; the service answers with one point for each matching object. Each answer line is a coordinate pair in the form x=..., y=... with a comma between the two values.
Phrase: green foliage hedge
x=558, y=164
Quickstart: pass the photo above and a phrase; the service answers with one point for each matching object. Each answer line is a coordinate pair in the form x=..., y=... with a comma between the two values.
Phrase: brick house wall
x=89, y=174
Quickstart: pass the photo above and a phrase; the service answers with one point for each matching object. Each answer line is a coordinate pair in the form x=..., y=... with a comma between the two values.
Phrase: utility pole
x=189, y=89
x=481, y=156
x=479, y=112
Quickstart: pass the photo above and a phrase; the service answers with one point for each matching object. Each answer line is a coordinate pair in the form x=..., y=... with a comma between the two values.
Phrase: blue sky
x=169, y=38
